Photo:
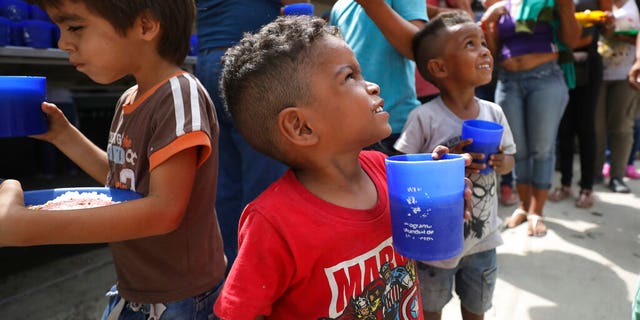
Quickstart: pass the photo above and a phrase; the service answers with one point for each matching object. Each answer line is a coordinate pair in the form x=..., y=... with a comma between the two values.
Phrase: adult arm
x=159, y=212
x=398, y=31
x=634, y=72
x=570, y=32
x=488, y=23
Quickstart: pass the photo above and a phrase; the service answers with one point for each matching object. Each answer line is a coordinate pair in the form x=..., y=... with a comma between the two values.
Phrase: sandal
x=517, y=217
x=560, y=193
x=536, y=227
x=585, y=199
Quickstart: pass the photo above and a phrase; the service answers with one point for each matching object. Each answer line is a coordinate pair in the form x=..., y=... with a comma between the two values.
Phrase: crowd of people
x=263, y=174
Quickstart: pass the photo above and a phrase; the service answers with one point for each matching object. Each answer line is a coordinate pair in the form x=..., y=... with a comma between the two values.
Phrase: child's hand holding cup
x=486, y=136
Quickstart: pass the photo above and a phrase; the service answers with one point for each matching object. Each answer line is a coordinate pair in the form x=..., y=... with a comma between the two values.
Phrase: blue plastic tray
x=37, y=197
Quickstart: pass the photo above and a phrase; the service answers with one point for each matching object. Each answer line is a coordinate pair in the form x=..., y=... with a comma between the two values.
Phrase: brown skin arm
x=159, y=212
x=500, y=162
x=488, y=23
x=634, y=72
x=398, y=31
x=570, y=29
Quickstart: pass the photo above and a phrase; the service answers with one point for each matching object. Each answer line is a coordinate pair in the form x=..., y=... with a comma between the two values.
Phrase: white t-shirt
x=433, y=124
x=618, y=56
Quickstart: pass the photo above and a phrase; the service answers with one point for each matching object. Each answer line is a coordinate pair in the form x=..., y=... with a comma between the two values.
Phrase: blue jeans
x=199, y=307
x=533, y=102
x=243, y=172
x=474, y=277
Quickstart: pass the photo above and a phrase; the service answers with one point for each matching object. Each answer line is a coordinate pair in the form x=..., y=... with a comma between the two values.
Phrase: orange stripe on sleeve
x=191, y=139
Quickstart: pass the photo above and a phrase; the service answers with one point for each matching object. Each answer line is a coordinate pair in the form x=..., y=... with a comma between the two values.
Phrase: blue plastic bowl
x=20, y=106
x=38, y=197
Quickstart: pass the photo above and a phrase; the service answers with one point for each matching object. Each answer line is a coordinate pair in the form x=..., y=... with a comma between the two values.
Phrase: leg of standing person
x=242, y=172
x=546, y=103
x=533, y=101
x=566, y=148
x=620, y=113
x=600, y=128
x=586, y=139
x=510, y=97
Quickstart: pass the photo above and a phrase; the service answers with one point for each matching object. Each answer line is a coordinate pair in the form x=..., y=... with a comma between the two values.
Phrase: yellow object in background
x=588, y=18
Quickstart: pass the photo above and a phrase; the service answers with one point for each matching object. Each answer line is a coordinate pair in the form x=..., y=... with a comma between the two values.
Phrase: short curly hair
x=269, y=71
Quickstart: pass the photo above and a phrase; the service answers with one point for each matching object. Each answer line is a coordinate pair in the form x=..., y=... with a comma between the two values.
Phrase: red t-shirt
x=301, y=257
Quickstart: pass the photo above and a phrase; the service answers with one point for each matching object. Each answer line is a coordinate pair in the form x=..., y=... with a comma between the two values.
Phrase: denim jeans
x=199, y=307
x=243, y=172
x=533, y=102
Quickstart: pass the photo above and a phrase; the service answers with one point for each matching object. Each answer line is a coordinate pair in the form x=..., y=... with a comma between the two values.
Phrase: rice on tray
x=76, y=200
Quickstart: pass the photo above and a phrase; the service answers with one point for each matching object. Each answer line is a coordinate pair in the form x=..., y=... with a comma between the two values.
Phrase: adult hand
x=634, y=74
x=493, y=13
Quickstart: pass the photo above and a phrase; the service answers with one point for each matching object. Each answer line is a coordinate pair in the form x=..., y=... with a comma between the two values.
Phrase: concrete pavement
x=586, y=267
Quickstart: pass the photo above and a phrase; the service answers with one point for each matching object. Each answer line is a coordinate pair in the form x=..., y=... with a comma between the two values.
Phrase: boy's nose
x=373, y=88
x=64, y=45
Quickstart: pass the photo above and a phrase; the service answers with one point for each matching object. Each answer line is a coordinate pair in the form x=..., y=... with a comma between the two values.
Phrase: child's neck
x=341, y=181
x=462, y=104
x=149, y=76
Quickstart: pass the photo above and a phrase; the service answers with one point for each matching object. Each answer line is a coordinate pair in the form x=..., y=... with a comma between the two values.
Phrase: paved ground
x=585, y=268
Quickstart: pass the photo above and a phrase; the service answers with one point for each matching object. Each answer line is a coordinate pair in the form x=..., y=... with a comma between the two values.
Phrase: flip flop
x=534, y=222
x=518, y=217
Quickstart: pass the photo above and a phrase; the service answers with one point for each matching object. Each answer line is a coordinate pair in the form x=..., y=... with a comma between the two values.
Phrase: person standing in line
x=380, y=33
x=616, y=107
x=579, y=117
x=243, y=172
x=528, y=37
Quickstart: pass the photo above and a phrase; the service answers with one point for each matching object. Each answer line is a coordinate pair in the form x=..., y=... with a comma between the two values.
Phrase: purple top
x=521, y=43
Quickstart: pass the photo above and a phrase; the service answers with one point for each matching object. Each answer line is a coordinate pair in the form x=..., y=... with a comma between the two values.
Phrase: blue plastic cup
x=427, y=205
x=36, y=13
x=5, y=31
x=15, y=10
x=486, y=137
x=15, y=34
x=20, y=106
x=37, y=34
x=299, y=9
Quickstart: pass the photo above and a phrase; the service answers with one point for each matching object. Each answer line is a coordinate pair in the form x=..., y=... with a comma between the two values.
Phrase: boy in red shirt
x=317, y=243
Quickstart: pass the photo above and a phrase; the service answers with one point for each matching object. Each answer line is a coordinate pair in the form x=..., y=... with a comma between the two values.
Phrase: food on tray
x=75, y=200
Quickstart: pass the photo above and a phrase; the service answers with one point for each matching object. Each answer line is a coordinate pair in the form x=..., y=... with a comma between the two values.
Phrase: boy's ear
x=437, y=68
x=149, y=25
x=293, y=125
